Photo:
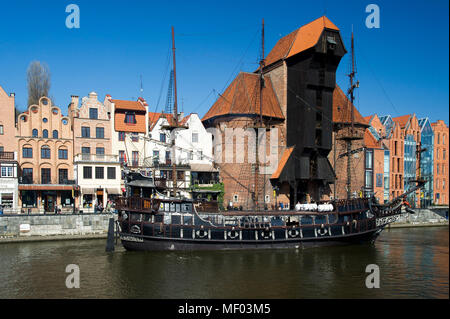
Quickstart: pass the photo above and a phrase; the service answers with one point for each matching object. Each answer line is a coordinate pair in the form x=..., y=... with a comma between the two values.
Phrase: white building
x=129, y=125
x=193, y=150
x=8, y=181
x=99, y=177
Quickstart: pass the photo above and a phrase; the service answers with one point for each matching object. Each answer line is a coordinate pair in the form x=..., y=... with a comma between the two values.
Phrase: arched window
x=45, y=134
x=45, y=152
x=34, y=133
x=55, y=134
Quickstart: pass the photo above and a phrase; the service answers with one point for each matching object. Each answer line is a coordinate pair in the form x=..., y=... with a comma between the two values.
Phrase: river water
x=413, y=263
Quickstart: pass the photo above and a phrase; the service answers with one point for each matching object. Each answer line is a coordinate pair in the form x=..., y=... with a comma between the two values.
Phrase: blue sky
x=402, y=66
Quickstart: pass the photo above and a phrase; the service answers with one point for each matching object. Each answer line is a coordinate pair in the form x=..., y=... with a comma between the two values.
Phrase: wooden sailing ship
x=156, y=222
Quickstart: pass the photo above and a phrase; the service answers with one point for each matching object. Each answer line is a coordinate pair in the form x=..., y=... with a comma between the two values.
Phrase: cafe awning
x=86, y=190
x=203, y=168
x=114, y=191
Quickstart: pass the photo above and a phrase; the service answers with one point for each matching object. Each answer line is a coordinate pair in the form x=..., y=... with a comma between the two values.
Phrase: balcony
x=8, y=156
x=45, y=181
x=96, y=158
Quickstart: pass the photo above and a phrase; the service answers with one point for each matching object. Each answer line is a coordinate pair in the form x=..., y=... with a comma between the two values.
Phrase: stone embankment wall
x=422, y=217
x=53, y=225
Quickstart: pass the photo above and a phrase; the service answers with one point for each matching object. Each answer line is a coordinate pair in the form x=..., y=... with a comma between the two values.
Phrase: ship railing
x=161, y=228
x=349, y=205
x=138, y=204
x=207, y=206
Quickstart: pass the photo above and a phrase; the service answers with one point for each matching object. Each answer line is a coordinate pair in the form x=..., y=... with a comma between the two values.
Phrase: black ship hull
x=161, y=224
x=149, y=243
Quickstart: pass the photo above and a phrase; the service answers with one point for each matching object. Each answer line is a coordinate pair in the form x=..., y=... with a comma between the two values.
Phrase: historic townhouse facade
x=193, y=151
x=394, y=139
x=129, y=128
x=377, y=160
x=45, y=156
x=8, y=153
x=410, y=131
x=441, y=167
x=96, y=169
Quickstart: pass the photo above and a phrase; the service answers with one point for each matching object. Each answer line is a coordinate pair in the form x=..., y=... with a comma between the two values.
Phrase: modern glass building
x=388, y=124
x=426, y=161
x=386, y=174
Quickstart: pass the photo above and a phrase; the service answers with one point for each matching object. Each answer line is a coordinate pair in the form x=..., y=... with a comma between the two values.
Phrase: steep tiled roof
x=284, y=158
x=121, y=126
x=128, y=105
x=370, y=141
x=154, y=117
x=368, y=118
x=402, y=120
x=299, y=40
x=342, y=111
x=242, y=97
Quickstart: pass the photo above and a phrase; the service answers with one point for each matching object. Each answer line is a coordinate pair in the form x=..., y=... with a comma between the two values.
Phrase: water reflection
x=413, y=264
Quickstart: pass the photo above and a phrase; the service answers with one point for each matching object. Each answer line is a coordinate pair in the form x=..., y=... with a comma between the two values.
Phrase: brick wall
x=7, y=122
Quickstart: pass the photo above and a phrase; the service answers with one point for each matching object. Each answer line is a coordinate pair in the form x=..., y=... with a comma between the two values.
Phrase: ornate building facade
x=45, y=156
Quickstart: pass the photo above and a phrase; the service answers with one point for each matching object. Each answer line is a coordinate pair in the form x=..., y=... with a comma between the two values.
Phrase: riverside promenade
x=433, y=216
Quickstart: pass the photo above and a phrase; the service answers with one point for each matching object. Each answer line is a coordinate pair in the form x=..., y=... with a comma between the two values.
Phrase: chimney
x=180, y=116
x=74, y=101
x=12, y=94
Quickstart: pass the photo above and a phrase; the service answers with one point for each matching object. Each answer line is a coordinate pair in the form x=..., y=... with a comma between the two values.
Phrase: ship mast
x=261, y=85
x=351, y=136
x=175, y=116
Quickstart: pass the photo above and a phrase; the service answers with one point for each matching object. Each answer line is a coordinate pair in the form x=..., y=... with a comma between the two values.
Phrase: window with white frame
x=194, y=137
x=7, y=171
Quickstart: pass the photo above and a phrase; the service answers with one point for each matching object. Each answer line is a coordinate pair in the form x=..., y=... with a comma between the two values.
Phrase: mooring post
x=110, y=239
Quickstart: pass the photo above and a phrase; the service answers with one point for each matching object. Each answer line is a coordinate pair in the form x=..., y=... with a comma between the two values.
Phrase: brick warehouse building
x=342, y=108
x=441, y=136
x=8, y=152
x=300, y=71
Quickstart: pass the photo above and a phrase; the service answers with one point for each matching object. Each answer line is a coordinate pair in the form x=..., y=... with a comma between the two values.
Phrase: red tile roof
x=129, y=105
x=368, y=118
x=121, y=126
x=370, y=141
x=402, y=120
x=242, y=97
x=299, y=40
x=342, y=111
x=154, y=117
x=284, y=158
